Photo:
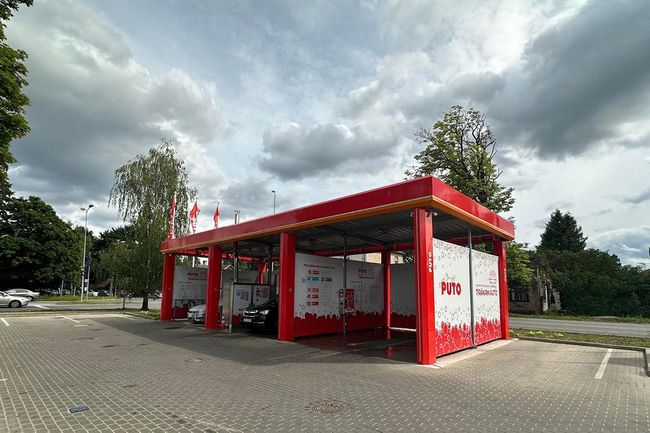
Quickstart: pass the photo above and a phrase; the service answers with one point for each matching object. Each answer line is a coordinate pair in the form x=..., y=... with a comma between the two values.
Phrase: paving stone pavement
x=140, y=375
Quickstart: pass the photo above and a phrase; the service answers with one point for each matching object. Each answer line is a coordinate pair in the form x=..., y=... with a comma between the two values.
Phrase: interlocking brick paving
x=139, y=375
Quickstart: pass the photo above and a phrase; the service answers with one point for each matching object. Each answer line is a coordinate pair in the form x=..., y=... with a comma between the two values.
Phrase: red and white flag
x=194, y=216
x=215, y=217
x=172, y=217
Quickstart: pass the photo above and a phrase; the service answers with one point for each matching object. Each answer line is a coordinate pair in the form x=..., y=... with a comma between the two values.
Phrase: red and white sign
x=451, y=297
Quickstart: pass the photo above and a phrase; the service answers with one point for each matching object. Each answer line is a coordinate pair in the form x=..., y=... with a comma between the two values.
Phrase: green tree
x=37, y=248
x=562, y=233
x=520, y=273
x=459, y=150
x=13, y=101
x=143, y=193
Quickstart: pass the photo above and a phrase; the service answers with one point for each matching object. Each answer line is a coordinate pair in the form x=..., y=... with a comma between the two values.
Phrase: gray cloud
x=294, y=152
x=639, y=198
x=580, y=81
x=93, y=107
x=630, y=244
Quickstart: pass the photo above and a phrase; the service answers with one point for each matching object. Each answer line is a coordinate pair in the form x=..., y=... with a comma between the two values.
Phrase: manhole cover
x=328, y=407
x=194, y=360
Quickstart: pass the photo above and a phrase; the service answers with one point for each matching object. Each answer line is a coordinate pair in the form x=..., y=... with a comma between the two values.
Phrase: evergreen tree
x=562, y=233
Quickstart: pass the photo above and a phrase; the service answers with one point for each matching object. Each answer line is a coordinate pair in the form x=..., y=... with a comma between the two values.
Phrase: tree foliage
x=459, y=150
x=562, y=233
x=13, y=101
x=37, y=248
x=519, y=270
x=143, y=192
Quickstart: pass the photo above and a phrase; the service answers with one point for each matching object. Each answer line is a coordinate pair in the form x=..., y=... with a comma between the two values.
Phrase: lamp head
x=91, y=205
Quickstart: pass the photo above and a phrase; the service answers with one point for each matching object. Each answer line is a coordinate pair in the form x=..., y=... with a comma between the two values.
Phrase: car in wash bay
x=196, y=314
x=24, y=293
x=263, y=316
x=7, y=300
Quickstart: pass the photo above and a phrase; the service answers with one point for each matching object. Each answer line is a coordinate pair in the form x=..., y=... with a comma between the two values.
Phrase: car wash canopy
x=452, y=295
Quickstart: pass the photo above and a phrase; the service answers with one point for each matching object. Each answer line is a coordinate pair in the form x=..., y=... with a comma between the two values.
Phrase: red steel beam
x=422, y=192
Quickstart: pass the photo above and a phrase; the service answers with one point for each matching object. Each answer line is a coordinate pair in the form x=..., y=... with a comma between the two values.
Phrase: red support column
x=425, y=329
x=385, y=260
x=213, y=287
x=166, y=303
x=499, y=250
x=287, y=283
x=261, y=270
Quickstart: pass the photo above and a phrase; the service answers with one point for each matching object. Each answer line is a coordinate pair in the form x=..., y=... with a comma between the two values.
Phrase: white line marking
x=40, y=306
x=4, y=321
x=603, y=364
x=67, y=318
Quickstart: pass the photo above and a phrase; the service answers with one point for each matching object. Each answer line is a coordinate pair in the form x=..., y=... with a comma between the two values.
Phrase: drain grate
x=131, y=385
x=174, y=327
x=110, y=345
x=194, y=360
x=328, y=407
x=84, y=338
x=78, y=409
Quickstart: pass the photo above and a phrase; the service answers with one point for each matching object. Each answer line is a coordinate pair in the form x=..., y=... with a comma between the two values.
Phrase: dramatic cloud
x=295, y=152
x=581, y=83
x=93, y=106
x=321, y=99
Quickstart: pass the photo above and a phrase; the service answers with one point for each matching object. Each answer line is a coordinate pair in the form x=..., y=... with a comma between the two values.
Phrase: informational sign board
x=487, y=305
x=189, y=286
x=319, y=279
x=367, y=281
x=247, y=295
x=451, y=297
x=348, y=301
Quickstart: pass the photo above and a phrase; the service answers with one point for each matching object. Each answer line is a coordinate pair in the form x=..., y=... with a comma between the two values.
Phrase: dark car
x=102, y=293
x=264, y=316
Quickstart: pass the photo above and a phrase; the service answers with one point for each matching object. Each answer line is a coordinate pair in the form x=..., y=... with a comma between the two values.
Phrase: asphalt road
x=583, y=327
x=133, y=304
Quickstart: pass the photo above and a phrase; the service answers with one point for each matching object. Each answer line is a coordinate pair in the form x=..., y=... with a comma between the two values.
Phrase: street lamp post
x=273, y=201
x=83, y=258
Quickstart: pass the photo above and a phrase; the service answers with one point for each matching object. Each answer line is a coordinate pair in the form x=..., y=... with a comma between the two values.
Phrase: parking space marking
x=4, y=321
x=41, y=307
x=72, y=320
x=603, y=364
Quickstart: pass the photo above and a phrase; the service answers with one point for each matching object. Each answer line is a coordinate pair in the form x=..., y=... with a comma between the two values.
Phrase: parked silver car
x=7, y=300
x=24, y=293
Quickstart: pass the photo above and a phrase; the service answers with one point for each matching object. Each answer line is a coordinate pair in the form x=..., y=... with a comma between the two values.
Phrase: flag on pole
x=215, y=217
x=172, y=217
x=194, y=215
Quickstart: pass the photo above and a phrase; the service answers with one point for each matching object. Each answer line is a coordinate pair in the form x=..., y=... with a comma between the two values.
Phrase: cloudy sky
x=319, y=99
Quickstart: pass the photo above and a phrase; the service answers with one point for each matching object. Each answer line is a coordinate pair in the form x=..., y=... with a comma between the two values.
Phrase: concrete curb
x=644, y=351
x=128, y=313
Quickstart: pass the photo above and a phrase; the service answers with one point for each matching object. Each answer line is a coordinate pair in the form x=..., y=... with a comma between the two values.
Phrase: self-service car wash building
x=454, y=296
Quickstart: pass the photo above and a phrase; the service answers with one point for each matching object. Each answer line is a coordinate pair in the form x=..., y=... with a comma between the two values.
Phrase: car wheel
x=14, y=304
x=31, y=298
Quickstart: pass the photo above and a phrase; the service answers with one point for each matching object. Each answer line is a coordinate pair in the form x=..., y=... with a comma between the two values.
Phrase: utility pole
x=273, y=201
x=83, y=258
